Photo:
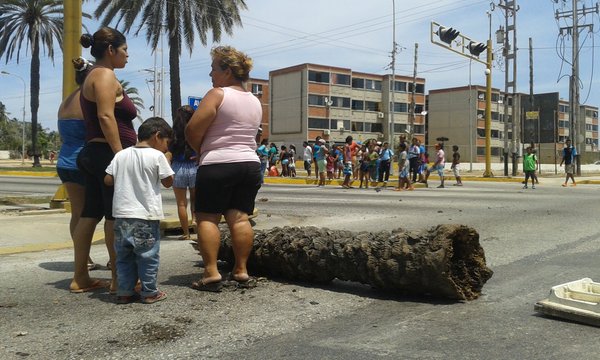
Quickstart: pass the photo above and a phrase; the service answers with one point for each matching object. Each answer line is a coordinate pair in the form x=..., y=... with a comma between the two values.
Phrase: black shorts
x=222, y=187
x=70, y=176
x=93, y=160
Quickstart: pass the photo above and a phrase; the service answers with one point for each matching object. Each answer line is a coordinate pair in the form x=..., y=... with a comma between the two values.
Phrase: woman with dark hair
x=184, y=163
x=72, y=133
x=222, y=131
x=108, y=114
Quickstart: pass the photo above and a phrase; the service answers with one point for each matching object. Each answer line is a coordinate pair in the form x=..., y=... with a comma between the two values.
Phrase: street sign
x=532, y=115
x=194, y=101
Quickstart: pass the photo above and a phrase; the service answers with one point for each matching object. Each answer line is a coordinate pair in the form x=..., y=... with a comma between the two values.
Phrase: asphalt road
x=533, y=239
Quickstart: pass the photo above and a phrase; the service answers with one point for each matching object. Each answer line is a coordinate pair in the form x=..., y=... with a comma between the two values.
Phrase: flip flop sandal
x=127, y=299
x=160, y=295
x=96, y=284
x=209, y=287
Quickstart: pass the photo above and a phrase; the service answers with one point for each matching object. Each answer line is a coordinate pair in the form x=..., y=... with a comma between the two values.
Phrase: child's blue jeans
x=137, y=243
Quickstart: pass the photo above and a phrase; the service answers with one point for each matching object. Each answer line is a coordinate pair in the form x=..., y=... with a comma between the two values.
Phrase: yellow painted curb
x=97, y=239
x=28, y=173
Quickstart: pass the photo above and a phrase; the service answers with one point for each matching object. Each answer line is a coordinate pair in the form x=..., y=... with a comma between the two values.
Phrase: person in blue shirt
x=263, y=155
x=316, y=148
x=385, y=160
x=568, y=157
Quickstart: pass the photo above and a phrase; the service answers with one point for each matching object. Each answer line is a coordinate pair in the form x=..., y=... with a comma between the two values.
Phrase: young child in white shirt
x=137, y=173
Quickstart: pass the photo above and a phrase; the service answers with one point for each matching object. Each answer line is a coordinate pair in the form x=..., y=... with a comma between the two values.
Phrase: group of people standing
x=111, y=172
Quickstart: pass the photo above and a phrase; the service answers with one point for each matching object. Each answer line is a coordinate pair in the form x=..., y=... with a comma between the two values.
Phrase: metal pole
x=471, y=111
x=413, y=93
x=488, y=112
x=574, y=86
x=392, y=130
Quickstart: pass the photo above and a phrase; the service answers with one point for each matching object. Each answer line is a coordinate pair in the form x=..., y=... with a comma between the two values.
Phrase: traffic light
x=447, y=34
x=476, y=48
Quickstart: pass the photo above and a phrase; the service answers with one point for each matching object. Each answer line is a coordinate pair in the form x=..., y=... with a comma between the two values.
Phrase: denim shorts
x=70, y=176
x=438, y=168
x=185, y=174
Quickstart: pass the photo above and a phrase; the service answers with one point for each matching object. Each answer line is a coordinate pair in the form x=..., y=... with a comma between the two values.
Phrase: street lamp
x=24, y=106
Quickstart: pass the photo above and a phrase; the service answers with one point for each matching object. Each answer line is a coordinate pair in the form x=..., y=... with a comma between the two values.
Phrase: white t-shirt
x=308, y=155
x=137, y=173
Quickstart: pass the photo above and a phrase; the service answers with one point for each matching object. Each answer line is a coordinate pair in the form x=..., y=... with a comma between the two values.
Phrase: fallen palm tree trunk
x=444, y=261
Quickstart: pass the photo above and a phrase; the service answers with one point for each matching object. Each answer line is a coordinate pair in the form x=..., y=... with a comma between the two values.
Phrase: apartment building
x=260, y=89
x=458, y=114
x=310, y=100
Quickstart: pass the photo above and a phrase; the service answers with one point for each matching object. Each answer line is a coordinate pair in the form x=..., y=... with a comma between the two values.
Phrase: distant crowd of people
x=365, y=162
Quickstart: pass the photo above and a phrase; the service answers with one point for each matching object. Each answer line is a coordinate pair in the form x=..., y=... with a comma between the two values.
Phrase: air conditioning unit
x=259, y=92
x=342, y=129
x=381, y=136
x=380, y=115
x=327, y=132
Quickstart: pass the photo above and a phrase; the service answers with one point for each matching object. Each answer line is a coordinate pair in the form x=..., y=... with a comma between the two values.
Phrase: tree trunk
x=445, y=261
x=174, y=76
x=35, y=98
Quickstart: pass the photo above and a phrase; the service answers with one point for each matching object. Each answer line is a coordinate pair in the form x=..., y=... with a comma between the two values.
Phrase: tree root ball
x=445, y=261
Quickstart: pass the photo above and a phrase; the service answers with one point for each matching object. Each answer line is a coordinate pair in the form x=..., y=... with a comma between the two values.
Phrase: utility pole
x=411, y=119
x=510, y=8
x=393, y=85
x=575, y=13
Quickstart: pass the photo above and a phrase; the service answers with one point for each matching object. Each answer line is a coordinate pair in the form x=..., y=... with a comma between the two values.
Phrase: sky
x=355, y=34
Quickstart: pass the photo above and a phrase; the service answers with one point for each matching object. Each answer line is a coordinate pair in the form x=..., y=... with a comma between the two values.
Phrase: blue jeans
x=263, y=167
x=137, y=243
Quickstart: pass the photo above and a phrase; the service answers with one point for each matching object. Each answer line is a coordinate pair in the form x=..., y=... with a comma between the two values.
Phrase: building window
x=358, y=126
x=495, y=134
x=419, y=129
x=257, y=89
x=399, y=128
x=372, y=84
x=358, y=105
x=420, y=88
x=340, y=124
x=495, y=97
x=563, y=108
x=342, y=102
x=495, y=115
x=372, y=106
x=376, y=127
x=341, y=79
x=400, y=107
x=481, y=133
x=318, y=76
x=316, y=123
x=399, y=86
x=318, y=100
x=358, y=83
x=563, y=124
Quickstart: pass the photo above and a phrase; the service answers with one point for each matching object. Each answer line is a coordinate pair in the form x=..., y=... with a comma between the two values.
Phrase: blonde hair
x=239, y=63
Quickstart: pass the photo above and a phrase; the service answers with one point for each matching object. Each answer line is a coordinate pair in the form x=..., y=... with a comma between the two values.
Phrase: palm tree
x=182, y=19
x=39, y=23
x=134, y=96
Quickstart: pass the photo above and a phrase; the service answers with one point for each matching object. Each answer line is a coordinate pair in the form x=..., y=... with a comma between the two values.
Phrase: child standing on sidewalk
x=136, y=174
x=529, y=165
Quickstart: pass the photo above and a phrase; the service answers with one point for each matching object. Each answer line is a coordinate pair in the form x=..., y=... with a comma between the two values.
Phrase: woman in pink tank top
x=223, y=132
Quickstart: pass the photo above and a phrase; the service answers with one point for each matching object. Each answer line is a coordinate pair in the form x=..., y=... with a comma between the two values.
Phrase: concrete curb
x=98, y=238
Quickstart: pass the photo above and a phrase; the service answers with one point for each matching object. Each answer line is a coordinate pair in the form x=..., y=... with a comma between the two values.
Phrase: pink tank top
x=231, y=136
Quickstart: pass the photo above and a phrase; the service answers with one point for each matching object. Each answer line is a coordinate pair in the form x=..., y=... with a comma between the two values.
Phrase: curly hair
x=239, y=63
